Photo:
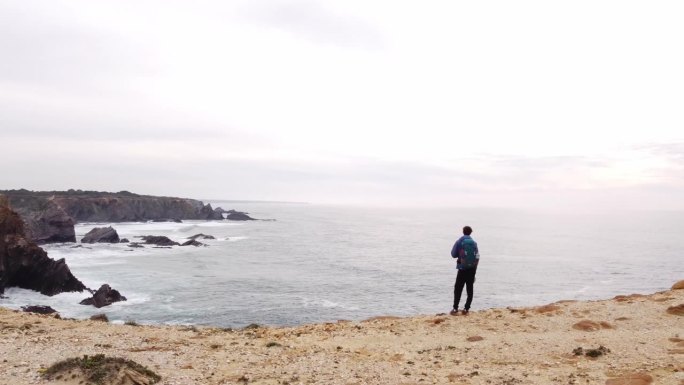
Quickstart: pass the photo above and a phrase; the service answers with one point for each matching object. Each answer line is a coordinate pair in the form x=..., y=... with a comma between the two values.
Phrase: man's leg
x=470, y=281
x=458, y=288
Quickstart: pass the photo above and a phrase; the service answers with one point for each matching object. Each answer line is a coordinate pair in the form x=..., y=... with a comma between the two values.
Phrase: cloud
x=314, y=22
x=672, y=151
x=55, y=48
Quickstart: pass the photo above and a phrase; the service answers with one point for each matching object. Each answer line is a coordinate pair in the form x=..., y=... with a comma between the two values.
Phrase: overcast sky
x=433, y=103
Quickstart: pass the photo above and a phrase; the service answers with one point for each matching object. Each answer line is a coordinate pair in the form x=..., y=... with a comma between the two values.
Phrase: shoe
x=465, y=312
x=453, y=312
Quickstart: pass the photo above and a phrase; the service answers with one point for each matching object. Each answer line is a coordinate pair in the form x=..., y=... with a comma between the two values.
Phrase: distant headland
x=50, y=216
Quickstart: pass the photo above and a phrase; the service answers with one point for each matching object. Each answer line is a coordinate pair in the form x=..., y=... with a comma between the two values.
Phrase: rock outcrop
x=101, y=235
x=23, y=264
x=38, y=309
x=158, y=240
x=104, y=296
x=201, y=236
x=193, y=242
x=238, y=216
x=45, y=221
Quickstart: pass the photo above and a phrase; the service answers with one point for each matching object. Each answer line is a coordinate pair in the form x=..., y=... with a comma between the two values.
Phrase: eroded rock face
x=48, y=223
x=23, y=264
x=101, y=235
x=104, y=296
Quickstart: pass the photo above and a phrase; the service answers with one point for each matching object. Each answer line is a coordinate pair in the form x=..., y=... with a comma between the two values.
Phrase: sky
x=530, y=104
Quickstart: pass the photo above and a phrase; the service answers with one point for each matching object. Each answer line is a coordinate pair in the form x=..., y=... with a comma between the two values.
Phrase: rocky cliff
x=23, y=264
x=50, y=215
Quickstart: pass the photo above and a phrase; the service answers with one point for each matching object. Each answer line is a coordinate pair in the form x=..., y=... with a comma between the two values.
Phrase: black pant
x=464, y=277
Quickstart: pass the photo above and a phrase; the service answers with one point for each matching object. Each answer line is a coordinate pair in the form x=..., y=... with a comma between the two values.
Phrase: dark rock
x=24, y=264
x=99, y=317
x=238, y=216
x=135, y=245
x=39, y=309
x=208, y=213
x=193, y=242
x=104, y=296
x=101, y=235
x=124, y=240
x=46, y=222
x=158, y=240
x=201, y=236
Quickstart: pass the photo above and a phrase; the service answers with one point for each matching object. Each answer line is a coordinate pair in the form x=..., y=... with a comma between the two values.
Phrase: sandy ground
x=496, y=346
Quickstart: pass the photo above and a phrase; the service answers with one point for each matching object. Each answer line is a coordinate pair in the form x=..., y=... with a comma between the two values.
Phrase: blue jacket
x=457, y=246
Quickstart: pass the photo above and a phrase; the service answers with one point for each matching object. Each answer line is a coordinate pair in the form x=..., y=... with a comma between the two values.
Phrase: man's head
x=467, y=230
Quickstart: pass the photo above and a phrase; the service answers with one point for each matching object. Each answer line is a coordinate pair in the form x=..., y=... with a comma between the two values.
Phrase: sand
x=630, y=340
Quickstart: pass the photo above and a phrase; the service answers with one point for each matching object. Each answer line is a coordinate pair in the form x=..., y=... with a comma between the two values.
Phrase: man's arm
x=456, y=249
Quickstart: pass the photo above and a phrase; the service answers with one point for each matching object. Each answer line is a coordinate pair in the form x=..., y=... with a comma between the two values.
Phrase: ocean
x=316, y=263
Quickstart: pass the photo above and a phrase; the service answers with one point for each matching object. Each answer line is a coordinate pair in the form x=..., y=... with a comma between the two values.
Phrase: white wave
x=235, y=239
x=324, y=303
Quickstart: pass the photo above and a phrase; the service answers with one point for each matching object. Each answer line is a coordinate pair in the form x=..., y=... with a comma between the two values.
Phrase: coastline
x=533, y=345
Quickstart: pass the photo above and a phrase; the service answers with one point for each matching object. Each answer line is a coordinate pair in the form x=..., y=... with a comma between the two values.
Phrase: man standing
x=467, y=257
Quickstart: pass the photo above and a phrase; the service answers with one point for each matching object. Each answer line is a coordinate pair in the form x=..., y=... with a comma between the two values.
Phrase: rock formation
x=38, y=309
x=238, y=216
x=158, y=240
x=193, y=242
x=104, y=296
x=101, y=235
x=201, y=236
x=45, y=221
x=23, y=264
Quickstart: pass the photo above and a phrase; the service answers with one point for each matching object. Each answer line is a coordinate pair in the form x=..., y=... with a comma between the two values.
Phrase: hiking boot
x=453, y=312
x=465, y=312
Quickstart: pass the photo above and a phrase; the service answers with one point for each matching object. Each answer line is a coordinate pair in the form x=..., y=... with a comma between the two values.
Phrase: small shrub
x=97, y=369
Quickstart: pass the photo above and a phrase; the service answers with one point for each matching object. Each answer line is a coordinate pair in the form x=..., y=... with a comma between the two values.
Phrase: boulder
x=678, y=285
x=102, y=317
x=238, y=216
x=193, y=242
x=39, y=309
x=158, y=240
x=101, y=235
x=104, y=296
x=201, y=236
x=24, y=264
x=124, y=240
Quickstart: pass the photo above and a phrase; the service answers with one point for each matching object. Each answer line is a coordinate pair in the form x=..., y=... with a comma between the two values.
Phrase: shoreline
x=531, y=345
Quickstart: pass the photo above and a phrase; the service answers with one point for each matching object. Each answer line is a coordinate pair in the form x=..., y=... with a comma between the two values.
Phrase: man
x=467, y=257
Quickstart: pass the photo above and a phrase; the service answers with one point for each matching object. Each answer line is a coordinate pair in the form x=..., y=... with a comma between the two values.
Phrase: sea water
x=324, y=263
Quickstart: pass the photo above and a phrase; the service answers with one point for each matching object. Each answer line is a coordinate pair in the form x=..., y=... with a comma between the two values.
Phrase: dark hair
x=467, y=230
